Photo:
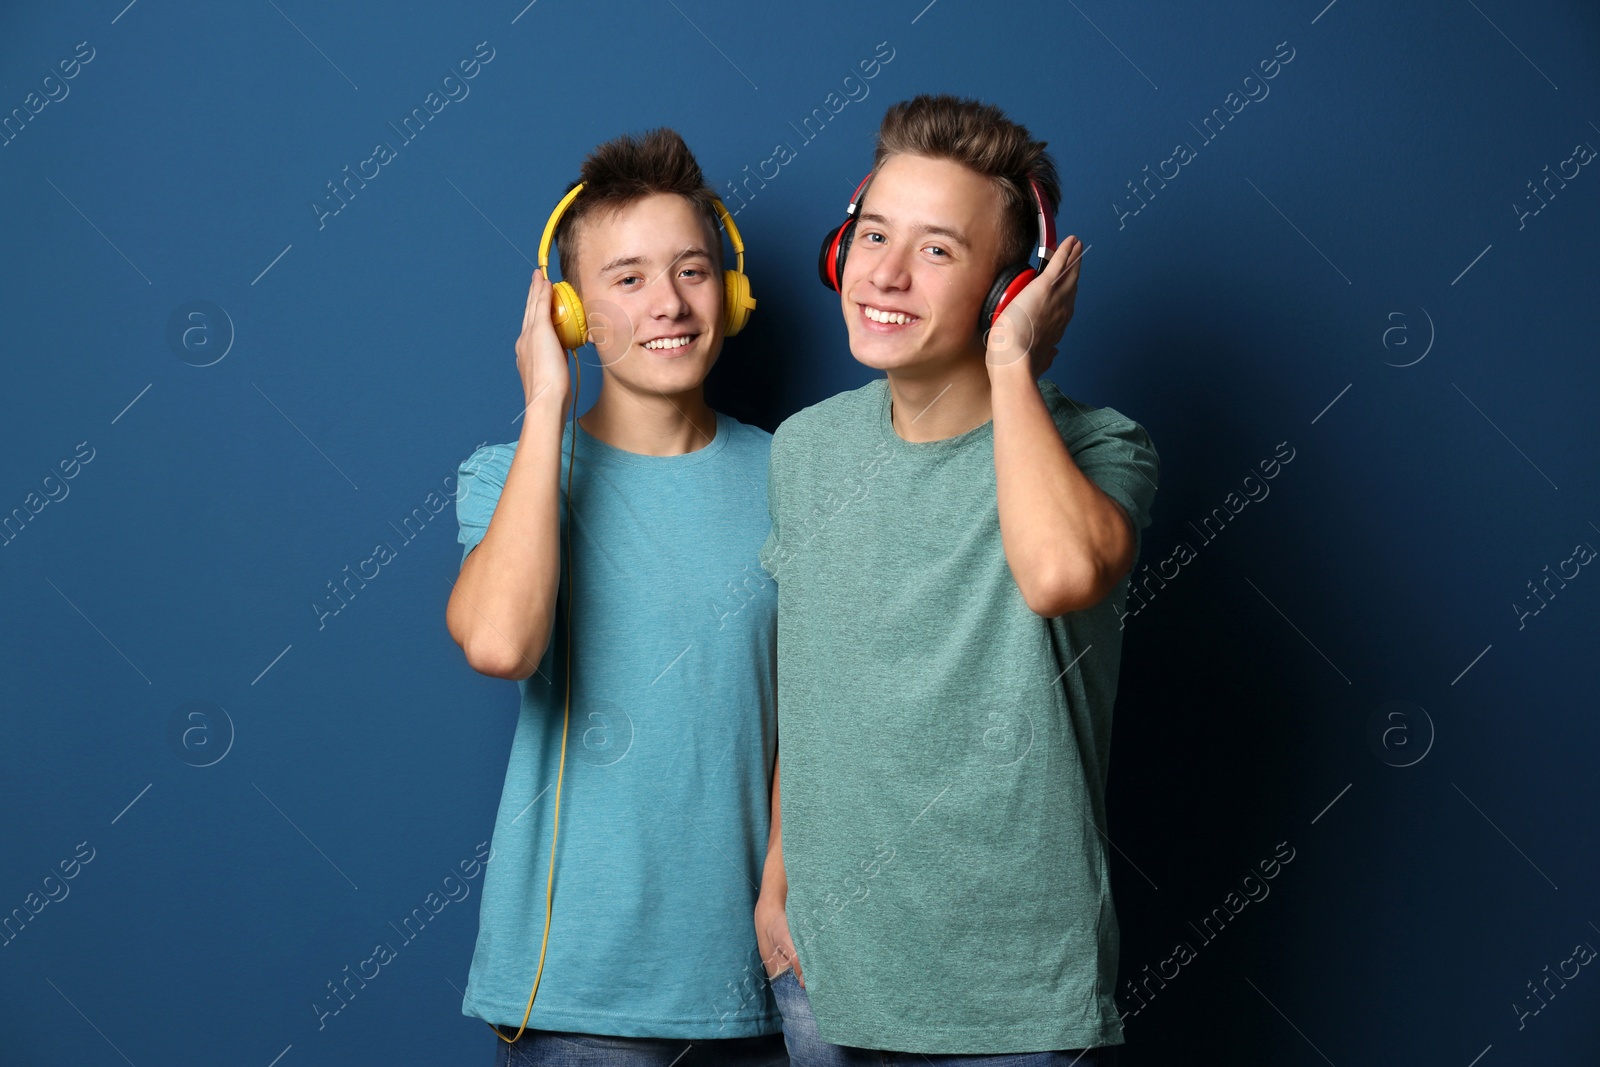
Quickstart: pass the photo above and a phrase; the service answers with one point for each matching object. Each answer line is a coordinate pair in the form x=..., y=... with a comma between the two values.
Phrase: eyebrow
x=640, y=261
x=925, y=228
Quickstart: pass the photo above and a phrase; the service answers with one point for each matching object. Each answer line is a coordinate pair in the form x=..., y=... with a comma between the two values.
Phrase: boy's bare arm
x=503, y=608
x=773, y=938
x=1067, y=543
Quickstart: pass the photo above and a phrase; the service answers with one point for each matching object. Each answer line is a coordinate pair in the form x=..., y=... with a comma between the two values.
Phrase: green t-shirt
x=943, y=748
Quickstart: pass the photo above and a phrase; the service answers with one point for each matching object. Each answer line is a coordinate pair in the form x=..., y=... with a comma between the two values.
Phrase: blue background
x=1358, y=218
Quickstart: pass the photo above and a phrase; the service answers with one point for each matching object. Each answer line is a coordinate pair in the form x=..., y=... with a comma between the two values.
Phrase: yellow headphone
x=572, y=325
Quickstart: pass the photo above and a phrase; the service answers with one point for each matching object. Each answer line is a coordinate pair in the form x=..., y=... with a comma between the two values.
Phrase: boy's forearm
x=503, y=608
x=773, y=879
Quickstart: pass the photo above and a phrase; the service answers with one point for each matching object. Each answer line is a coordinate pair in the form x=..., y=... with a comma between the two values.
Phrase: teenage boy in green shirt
x=951, y=544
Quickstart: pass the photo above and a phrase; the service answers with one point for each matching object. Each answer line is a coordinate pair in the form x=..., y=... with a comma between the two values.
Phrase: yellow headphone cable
x=549, y=886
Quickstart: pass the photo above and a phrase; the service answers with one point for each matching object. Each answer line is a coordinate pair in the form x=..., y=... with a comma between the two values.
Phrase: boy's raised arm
x=503, y=608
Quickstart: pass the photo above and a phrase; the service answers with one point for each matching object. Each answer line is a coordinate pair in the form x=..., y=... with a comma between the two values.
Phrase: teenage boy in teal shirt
x=662, y=786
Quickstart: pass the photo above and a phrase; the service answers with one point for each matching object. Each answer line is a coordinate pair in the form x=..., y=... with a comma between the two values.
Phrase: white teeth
x=897, y=317
x=666, y=343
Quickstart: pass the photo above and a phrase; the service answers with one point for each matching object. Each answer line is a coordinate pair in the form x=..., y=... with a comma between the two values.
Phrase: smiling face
x=922, y=261
x=652, y=291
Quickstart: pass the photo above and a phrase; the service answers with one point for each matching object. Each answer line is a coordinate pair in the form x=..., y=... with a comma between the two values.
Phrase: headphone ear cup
x=830, y=262
x=737, y=303
x=1011, y=281
x=566, y=309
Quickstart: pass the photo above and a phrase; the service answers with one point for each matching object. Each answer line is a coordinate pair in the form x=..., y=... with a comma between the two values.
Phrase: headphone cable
x=549, y=888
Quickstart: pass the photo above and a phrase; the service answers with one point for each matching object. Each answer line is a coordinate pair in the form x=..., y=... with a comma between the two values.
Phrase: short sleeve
x=479, y=480
x=1117, y=455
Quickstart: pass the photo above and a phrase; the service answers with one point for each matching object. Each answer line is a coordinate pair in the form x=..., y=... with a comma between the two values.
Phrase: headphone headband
x=733, y=234
x=1047, y=223
x=855, y=197
x=550, y=227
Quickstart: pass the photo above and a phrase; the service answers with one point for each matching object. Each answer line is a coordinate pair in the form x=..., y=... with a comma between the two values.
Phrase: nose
x=666, y=301
x=889, y=265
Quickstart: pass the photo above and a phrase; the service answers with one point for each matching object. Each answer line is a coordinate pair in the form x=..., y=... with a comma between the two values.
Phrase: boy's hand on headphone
x=1034, y=322
x=541, y=360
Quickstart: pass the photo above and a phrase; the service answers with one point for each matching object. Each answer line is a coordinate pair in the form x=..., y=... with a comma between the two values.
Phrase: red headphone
x=1011, y=281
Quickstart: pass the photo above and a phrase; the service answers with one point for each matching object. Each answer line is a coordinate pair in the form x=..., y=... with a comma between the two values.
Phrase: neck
x=651, y=424
x=931, y=404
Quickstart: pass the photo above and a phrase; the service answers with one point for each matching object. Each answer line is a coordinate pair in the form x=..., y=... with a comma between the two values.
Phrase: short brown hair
x=629, y=168
x=980, y=137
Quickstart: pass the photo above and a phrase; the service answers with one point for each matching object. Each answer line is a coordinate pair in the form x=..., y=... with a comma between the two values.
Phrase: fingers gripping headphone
x=1011, y=280
x=572, y=325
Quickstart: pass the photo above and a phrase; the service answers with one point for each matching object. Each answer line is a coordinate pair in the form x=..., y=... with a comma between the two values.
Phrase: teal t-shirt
x=665, y=803
x=944, y=749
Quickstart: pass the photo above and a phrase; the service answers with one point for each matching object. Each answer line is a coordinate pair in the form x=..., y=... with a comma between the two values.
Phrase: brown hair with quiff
x=981, y=138
x=628, y=168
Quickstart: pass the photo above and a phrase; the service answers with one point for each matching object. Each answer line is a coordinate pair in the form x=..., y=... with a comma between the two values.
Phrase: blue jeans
x=808, y=1049
x=549, y=1048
